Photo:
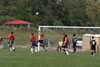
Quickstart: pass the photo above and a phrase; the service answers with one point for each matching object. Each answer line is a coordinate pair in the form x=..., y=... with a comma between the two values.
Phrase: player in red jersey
x=11, y=41
x=33, y=43
x=66, y=45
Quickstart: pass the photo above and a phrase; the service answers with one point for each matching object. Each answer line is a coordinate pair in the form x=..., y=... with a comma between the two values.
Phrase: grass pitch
x=23, y=58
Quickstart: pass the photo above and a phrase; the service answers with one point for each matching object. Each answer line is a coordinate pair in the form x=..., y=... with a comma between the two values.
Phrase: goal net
x=53, y=34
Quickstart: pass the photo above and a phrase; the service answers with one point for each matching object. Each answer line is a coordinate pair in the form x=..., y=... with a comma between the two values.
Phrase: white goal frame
x=68, y=27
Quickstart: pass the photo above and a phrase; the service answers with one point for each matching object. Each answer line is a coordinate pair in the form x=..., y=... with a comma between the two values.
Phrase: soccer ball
x=13, y=48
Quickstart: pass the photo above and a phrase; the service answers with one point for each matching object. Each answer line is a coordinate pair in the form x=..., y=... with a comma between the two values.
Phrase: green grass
x=23, y=58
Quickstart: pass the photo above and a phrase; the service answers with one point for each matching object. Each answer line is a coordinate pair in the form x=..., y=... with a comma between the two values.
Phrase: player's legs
x=31, y=49
x=63, y=48
x=67, y=49
x=35, y=48
x=93, y=48
x=43, y=45
x=33, y=45
x=58, y=48
x=74, y=48
x=11, y=45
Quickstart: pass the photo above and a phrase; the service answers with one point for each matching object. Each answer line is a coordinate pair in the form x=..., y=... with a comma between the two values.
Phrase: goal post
x=62, y=27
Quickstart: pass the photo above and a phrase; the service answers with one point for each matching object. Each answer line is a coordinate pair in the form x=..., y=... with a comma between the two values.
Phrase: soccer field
x=23, y=58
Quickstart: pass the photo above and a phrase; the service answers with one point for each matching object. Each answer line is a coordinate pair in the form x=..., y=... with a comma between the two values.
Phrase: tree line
x=52, y=12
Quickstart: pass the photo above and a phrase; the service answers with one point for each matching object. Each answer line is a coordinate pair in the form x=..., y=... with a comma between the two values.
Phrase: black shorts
x=74, y=45
x=64, y=46
x=93, y=47
x=41, y=41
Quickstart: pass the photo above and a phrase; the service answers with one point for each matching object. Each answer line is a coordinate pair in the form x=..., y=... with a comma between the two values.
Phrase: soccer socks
x=10, y=49
x=32, y=50
x=13, y=48
x=67, y=52
x=36, y=50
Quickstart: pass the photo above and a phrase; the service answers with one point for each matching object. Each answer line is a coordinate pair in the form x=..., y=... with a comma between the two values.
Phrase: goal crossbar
x=67, y=27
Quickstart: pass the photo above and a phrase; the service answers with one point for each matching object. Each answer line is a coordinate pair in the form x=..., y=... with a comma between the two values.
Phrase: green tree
x=4, y=19
x=93, y=13
x=58, y=23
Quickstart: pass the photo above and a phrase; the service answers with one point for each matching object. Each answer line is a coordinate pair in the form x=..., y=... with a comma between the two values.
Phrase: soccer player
x=60, y=45
x=66, y=45
x=11, y=41
x=93, y=46
x=74, y=41
x=33, y=43
x=41, y=41
x=63, y=47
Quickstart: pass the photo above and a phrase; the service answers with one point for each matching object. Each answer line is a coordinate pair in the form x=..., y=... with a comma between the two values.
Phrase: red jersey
x=67, y=41
x=11, y=37
x=41, y=36
x=33, y=38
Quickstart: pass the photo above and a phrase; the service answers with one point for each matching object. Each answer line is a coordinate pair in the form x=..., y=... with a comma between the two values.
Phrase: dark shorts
x=66, y=46
x=11, y=42
x=93, y=47
x=63, y=46
x=33, y=44
x=41, y=41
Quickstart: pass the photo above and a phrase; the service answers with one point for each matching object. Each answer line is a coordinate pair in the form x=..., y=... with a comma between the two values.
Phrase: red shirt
x=67, y=41
x=11, y=37
x=41, y=36
x=33, y=38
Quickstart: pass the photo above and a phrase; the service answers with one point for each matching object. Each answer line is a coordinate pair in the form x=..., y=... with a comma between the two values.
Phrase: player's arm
x=64, y=42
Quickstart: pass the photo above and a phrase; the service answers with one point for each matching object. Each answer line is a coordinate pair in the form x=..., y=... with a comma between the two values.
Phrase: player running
x=11, y=41
x=93, y=46
x=66, y=45
x=33, y=43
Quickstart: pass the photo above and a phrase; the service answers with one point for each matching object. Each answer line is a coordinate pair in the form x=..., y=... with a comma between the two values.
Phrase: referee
x=93, y=46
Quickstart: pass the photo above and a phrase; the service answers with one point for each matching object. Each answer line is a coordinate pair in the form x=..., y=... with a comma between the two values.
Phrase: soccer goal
x=55, y=33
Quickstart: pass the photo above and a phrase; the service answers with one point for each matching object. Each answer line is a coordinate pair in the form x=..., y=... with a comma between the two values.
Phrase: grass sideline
x=23, y=58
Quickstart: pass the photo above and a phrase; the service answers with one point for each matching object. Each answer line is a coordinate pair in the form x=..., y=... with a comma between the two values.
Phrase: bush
x=4, y=19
